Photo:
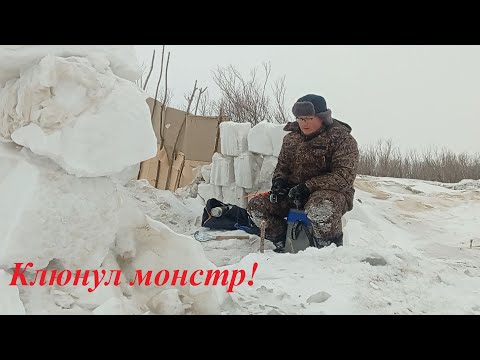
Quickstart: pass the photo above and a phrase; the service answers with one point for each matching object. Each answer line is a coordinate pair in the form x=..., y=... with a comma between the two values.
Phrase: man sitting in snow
x=316, y=170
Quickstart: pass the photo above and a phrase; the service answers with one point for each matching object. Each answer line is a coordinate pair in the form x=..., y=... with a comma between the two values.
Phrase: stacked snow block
x=259, y=140
x=246, y=163
x=222, y=173
x=206, y=171
x=247, y=168
x=266, y=171
x=234, y=138
x=216, y=175
x=276, y=135
x=209, y=191
x=235, y=195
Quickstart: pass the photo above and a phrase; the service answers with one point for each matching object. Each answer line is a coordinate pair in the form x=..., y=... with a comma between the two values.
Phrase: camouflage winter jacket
x=324, y=160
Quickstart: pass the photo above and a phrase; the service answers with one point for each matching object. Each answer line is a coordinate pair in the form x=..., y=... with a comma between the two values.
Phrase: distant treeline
x=383, y=159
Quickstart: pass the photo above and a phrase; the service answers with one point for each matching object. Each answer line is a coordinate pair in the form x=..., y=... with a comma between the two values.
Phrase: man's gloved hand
x=280, y=187
x=299, y=194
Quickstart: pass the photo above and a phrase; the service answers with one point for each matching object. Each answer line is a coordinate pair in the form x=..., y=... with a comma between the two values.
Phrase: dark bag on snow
x=232, y=217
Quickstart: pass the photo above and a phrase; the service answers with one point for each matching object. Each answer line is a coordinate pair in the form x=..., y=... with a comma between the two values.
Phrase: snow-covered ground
x=407, y=251
x=73, y=130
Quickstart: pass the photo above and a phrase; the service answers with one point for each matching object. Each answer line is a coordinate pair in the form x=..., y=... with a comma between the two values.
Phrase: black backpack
x=233, y=218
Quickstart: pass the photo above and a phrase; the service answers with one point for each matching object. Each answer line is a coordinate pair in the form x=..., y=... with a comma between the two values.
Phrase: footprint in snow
x=319, y=297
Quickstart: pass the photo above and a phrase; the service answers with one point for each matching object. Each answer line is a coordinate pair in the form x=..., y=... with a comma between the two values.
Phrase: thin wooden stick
x=262, y=236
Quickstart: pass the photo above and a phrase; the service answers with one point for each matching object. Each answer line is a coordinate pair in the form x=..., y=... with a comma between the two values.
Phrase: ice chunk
x=90, y=123
x=234, y=138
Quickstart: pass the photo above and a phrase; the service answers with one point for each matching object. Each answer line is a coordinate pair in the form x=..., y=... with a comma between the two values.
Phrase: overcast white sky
x=415, y=95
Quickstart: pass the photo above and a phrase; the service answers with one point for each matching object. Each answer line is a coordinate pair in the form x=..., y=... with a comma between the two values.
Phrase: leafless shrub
x=246, y=99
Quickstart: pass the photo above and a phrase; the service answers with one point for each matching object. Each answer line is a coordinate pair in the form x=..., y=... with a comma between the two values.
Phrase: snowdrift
x=60, y=222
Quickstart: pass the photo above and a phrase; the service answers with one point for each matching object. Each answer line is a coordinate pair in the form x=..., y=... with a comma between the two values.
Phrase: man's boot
x=278, y=241
x=337, y=240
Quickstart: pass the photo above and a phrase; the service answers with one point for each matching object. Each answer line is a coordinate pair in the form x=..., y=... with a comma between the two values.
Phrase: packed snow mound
x=46, y=214
x=182, y=215
x=160, y=248
x=10, y=303
x=466, y=184
x=69, y=109
x=122, y=59
x=83, y=130
x=117, y=306
x=69, y=223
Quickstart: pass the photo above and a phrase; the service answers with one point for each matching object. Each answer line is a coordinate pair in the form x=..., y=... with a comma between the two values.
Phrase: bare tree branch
x=201, y=91
x=280, y=113
x=158, y=87
x=192, y=96
x=165, y=94
x=150, y=71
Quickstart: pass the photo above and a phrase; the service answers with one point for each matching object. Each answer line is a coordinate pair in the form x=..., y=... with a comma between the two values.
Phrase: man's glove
x=280, y=187
x=299, y=194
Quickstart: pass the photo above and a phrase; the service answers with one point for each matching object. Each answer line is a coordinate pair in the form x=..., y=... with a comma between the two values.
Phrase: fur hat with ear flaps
x=313, y=105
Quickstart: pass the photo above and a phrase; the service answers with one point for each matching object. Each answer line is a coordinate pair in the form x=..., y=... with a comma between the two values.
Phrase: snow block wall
x=246, y=163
